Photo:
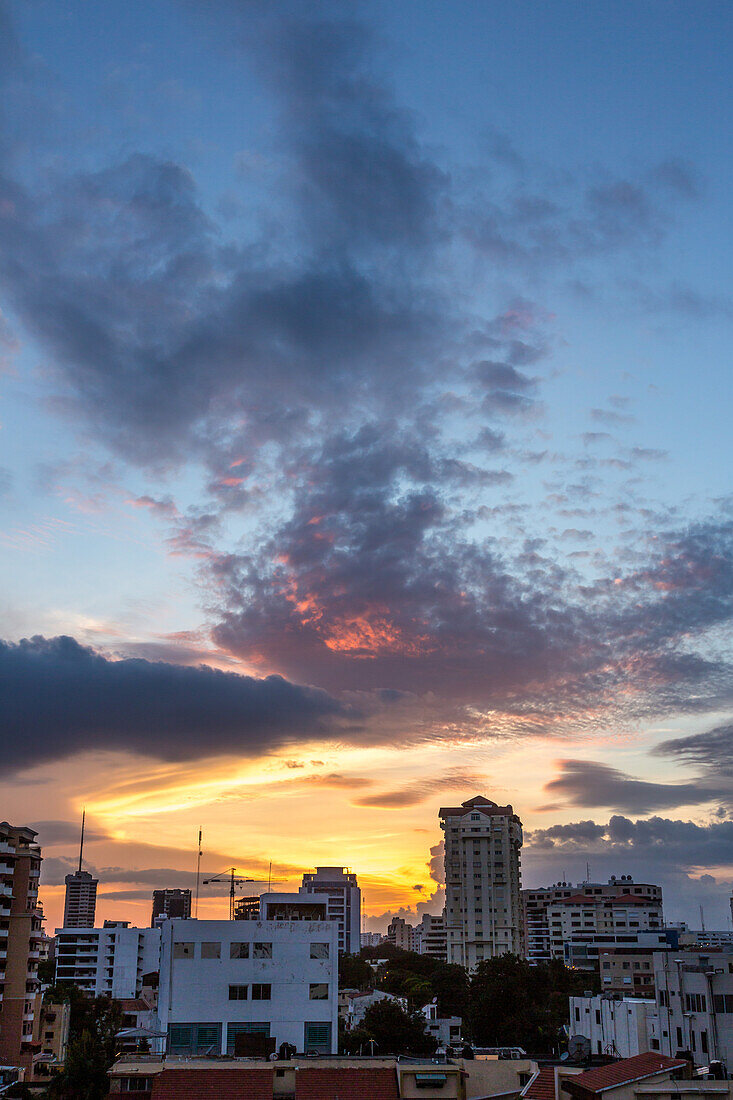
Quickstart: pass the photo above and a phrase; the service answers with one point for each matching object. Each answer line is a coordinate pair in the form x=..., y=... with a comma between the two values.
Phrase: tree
x=92, y=1050
x=394, y=1030
x=515, y=1004
x=355, y=973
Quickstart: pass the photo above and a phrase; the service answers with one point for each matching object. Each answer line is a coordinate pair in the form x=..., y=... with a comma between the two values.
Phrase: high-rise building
x=20, y=936
x=344, y=903
x=562, y=913
x=401, y=934
x=80, y=905
x=483, y=908
x=170, y=903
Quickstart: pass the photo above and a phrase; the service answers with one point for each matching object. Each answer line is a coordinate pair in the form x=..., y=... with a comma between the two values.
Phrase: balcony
x=6, y=849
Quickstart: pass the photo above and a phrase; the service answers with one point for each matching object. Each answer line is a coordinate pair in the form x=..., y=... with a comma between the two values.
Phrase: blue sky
x=384, y=349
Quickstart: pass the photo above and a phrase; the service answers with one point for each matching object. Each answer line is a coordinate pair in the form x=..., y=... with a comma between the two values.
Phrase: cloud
x=712, y=750
x=54, y=833
x=589, y=783
x=60, y=698
x=414, y=793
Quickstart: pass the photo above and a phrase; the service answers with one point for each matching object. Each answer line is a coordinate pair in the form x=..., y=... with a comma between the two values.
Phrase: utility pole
x=198, y=872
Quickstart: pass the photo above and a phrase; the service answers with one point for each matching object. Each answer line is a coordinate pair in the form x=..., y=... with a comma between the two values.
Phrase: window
x=252, y=1027
x=704, y=1042
x=238, y=950
x=319, y=950
x=182, y=950
x=136, y=1084
x=723, y=1002
x=237, y=992
x=210, y=950
x=261, y=991
x=194, y=1039
x=319, y=991
x=262, y=951
x=317, y=1038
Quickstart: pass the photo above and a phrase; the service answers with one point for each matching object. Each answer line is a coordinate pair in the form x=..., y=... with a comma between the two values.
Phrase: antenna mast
x=81, y=841
x=198, y=874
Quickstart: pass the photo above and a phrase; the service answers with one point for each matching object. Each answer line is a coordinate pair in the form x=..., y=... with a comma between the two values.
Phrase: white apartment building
x=616, y=1026
x=220, y=979
x=483, y=910
x=692, y=1012
x=429, y=936
x=540, y=937
x=344, y=902
x=110, y=960
x=694, y=1005
x=371, y=939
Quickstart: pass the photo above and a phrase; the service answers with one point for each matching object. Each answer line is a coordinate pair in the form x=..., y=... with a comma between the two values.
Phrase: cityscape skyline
x=365, y=441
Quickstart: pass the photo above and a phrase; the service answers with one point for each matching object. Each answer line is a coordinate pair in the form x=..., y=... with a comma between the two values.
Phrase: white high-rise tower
x=483, y=899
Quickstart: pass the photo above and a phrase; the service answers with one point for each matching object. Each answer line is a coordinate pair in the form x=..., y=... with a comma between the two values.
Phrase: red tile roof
x=625, y=1071
x=213, y=1084
x=346, y=1084
x=543, y=1085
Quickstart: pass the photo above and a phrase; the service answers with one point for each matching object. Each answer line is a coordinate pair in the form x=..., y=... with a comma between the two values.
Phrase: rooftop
x=624, y=1072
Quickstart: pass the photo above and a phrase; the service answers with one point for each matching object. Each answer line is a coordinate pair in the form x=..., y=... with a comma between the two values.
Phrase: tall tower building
x=170, y=903
x=344, y=903
x=80, y=905
x=483, y=893
x=20, y=941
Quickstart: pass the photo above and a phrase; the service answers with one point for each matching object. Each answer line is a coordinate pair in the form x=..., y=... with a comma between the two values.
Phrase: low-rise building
x=109, y=961
x=628, y=970
x=358, y=1001
x=446, y=1030
x=220, y=980
x=50, y=1037
x=615, y=1026
x=694, y=1006
x=620, y=1080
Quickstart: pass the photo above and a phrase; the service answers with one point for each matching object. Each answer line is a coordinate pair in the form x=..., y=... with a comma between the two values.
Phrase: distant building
x=446, y=1030
x=291, y=906
x=344, y=902
x=401, y=934
x=220, y=980
x=170, y=903
x=615, y=1026
x=357, y=1001
x=20, y=939
x=80, y=906
x=717, y=940
x=112, y=960
x=483, y=912
x=429, y=936
x=562, y=913
x=371, y=939
x=628, y=969
x=247, y=908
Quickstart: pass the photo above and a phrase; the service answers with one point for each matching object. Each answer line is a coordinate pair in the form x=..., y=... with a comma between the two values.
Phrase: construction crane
x=234, y=881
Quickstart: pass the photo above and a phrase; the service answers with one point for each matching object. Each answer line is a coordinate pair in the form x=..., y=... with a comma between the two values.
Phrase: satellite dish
x=579, y=1048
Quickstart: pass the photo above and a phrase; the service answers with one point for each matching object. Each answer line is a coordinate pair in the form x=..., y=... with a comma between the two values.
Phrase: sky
x=364, y=441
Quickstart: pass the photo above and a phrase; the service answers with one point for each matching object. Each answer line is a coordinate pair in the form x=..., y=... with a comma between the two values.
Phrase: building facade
x=170, y=903
x=429, y=936
x=483, y=911
x=344, y=902
x=615, y=1026
x=543, y=929
x=401, y=934
x=223, y=979
x=80, y=906
x=20, y=939
x=110, y=960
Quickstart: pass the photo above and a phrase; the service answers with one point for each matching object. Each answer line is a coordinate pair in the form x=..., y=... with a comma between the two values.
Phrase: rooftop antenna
x=587, y=872
x=81, y=841
x=702, y=919
x=198, y=873
x=269, y=879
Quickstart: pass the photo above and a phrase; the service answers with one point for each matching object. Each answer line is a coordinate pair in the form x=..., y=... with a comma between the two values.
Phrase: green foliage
x=91, y=1051
x=393, y=1030
x=420, y=978
x=355, y=973
x=515, y=1004
x=46, y=971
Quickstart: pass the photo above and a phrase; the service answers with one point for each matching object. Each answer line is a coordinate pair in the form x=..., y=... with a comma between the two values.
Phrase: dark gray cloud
x=58, y=698
x=588, y=783
x=53, y=833
x=414, y=793
x=711, y=750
